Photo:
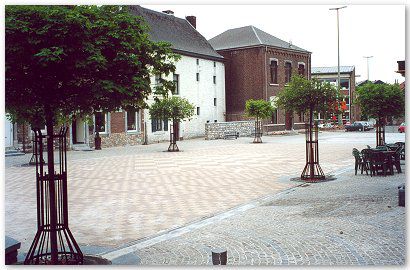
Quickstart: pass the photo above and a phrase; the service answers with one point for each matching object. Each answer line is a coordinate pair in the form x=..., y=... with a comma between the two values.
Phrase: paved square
x=122, y=194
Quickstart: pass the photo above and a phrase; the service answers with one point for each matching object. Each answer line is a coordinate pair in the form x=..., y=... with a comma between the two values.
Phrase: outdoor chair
x=402, y=153
x=402, y=149
x=379, y=163
x=396, y=159
x=358, y=164
x=392, y=147
x=367, y=161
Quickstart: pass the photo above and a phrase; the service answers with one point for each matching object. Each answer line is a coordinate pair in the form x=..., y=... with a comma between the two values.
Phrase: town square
x=135, y=137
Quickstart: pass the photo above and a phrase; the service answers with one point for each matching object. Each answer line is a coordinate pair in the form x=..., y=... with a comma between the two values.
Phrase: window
x=159, y=125
x=157, y=79
x=176, y=83
x=275, y=116
x=197, y=77
x=133, y=120
x=288, y=71
x=197, y=110
x=301, y=69
x=214, y=101
x=274, y=71
x=214, y=64
x=344, y=83
x=197, y=62
x=214, y=79
x=101, y=122
x=301, y=118
x=215, y=121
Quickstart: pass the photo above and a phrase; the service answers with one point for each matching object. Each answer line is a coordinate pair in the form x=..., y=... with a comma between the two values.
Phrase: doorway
x=8, y=133
x=78, y=131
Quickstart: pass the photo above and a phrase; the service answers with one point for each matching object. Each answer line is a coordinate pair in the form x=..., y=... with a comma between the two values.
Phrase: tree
x=65, y=60
x=172, y=108
x=260, y=109
x=309, y=96
x=380, y=101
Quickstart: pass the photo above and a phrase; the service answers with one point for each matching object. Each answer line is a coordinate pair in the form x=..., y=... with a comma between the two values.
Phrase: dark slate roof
x=366, y=81
x=184, y=38
x=249, y=36
x=331, y=70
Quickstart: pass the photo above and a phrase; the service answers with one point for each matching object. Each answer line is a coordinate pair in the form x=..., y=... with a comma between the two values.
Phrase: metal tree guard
x=258, y=132
x=380, y=133
x=41, y=251
x=312, y=171
x=173, y=147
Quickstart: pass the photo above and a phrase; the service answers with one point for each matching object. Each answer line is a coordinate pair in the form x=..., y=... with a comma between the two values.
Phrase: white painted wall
x=201, y=94
x=8, y=133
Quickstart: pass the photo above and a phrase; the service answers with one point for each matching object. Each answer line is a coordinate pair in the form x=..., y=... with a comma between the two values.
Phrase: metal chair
x=367, y=161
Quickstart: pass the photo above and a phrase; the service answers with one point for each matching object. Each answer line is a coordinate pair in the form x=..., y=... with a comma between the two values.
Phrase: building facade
x=257, y=66
x=347, y=87
x=199, y=77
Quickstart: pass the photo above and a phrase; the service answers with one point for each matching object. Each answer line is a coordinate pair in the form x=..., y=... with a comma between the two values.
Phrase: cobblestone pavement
x=119, y=195
x=353, y=220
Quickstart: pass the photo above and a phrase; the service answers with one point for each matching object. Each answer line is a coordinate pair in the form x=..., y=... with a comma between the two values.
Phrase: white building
x=199, y=75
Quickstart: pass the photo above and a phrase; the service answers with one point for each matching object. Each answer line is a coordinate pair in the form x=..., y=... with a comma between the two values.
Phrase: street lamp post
x=338, y=56
x=367, y=58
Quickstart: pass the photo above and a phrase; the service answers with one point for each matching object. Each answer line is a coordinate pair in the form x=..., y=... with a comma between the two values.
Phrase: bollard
x=219, y=257
x=402, y=196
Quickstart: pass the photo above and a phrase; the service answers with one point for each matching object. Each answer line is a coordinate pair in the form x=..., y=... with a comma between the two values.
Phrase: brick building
x=347, y=87
x=257, y=66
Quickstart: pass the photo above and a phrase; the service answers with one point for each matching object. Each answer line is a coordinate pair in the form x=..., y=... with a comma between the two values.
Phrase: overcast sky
x=365, y=30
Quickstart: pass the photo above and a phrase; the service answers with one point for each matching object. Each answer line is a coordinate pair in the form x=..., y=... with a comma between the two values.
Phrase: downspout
x=266, y=77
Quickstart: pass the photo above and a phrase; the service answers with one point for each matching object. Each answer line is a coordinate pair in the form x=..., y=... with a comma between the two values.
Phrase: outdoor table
x=392, y=147
x=389, y=156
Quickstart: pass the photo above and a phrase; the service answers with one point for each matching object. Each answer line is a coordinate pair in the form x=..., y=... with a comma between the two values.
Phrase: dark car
x=355, y=127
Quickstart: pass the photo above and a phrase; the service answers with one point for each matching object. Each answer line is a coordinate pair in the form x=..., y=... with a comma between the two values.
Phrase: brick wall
x=247, y=75
x=117, y=122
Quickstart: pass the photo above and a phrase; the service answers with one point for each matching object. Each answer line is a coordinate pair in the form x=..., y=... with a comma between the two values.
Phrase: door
x=78, y=131
x=8, y=133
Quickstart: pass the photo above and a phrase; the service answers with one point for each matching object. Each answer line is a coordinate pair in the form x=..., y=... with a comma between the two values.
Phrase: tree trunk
x=51, y=178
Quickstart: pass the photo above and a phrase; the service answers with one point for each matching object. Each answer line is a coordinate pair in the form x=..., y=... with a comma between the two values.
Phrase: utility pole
x=338, y=57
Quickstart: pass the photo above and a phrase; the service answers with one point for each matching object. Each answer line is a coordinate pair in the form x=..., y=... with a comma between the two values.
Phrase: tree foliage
x=64, y=60
x=173, y=108
x=260, y=108
x=302, y=95
x=381, y=100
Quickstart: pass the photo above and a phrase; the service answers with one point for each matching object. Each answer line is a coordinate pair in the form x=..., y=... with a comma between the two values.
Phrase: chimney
x=191, y=20
x=169, y=12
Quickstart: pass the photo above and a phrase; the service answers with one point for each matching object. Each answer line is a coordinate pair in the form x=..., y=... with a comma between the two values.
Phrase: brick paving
x=122, y=194
x=353, y=220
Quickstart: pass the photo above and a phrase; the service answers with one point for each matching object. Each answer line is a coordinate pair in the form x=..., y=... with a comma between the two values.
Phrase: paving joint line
x=196, y=224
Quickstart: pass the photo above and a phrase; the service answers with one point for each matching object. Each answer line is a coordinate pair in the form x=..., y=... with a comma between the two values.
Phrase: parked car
x=402, y=127
x=367, y=125
x=356, y=126
x=326, y=125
